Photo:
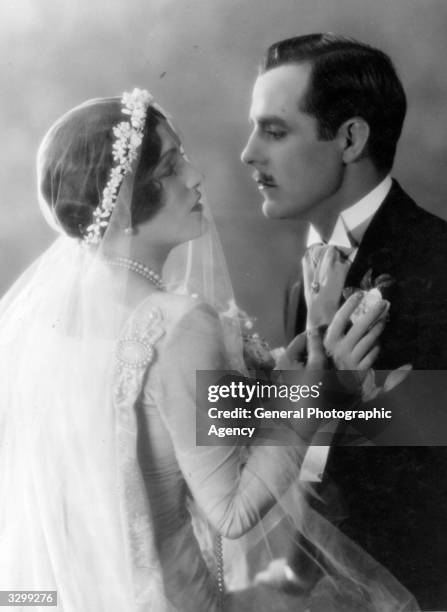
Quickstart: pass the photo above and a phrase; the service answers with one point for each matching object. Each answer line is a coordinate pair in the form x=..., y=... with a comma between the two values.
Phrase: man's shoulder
x=413, y=216
x=413, y=231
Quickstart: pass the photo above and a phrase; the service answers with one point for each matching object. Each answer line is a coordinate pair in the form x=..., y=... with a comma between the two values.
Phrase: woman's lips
x=197, y=207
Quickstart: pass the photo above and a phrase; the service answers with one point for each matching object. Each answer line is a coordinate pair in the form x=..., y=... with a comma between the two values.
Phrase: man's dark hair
x=348, y=79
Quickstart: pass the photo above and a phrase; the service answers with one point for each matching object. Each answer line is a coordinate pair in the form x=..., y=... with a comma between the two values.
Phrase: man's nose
x=251, y=153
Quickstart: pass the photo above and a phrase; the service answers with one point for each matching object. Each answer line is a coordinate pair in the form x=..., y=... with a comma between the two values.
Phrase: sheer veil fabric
x=78, y=511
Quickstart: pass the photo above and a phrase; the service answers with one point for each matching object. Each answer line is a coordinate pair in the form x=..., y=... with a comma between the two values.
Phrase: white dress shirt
x=349, y=230
x=353, y=222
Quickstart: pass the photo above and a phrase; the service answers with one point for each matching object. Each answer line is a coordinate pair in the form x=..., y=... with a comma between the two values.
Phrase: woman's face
x=180, y=217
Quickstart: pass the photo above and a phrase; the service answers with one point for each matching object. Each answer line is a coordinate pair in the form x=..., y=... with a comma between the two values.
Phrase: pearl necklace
x=135, y=266
x=218, y=551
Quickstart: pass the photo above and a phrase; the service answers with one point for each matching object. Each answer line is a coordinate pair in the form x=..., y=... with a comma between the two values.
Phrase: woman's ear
x=353, y=135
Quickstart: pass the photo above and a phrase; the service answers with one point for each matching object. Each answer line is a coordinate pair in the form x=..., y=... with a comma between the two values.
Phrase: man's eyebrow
x=269, y=120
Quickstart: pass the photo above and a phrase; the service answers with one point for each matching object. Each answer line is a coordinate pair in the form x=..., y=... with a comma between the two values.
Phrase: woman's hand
x=357, y=348
x=305, y=351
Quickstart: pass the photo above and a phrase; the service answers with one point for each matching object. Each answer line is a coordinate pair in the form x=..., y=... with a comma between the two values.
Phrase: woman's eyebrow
x=168, y=154
x=166, y=158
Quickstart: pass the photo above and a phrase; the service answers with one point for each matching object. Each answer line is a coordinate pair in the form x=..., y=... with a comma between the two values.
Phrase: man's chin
x=272, y=210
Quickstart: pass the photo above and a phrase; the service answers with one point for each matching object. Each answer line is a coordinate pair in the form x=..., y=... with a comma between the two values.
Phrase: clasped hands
x=344, y=345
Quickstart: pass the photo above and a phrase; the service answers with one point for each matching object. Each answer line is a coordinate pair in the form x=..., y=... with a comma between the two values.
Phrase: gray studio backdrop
x=199, y=58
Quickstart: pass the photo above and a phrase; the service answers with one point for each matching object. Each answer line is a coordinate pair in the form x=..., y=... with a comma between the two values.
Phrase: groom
x=327, y=113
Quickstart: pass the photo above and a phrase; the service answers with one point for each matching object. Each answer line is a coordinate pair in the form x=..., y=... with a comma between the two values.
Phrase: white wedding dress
x=156, y=403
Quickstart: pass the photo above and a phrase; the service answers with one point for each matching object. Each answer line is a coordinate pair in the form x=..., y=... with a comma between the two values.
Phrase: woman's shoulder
x=183, y=329
x=173, y=310
x=164, y=323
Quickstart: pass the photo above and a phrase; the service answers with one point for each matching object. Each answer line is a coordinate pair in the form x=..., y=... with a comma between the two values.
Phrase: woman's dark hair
x=348, y=79
x=76, y=158
x=148, y=191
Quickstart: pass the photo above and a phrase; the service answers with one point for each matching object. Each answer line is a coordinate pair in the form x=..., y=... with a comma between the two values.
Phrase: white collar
x=353, y=222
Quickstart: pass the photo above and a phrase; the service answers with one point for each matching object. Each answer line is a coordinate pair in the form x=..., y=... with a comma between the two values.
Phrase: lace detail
x=135, y=351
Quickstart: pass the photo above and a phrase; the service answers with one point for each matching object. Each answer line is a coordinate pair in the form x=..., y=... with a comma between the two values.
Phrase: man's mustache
x=264, y=179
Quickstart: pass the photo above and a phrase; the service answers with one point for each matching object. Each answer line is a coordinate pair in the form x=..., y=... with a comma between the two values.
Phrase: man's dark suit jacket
x=395, y=498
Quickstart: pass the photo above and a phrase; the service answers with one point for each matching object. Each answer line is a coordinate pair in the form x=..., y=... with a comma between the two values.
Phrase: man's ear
x=353, y=136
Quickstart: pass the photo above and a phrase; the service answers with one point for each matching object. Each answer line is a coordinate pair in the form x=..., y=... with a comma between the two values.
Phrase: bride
x=105, y=496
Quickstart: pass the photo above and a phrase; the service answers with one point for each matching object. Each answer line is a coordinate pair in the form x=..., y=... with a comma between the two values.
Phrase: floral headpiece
x=129, y=136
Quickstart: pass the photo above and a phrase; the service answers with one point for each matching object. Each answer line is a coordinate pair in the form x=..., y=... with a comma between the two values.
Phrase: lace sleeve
x=232, y=496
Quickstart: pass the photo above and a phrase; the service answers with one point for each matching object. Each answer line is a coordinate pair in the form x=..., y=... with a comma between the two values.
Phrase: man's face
x=297, y=173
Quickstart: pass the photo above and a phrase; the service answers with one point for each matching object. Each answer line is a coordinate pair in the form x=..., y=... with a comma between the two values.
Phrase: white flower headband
x=129, y=136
